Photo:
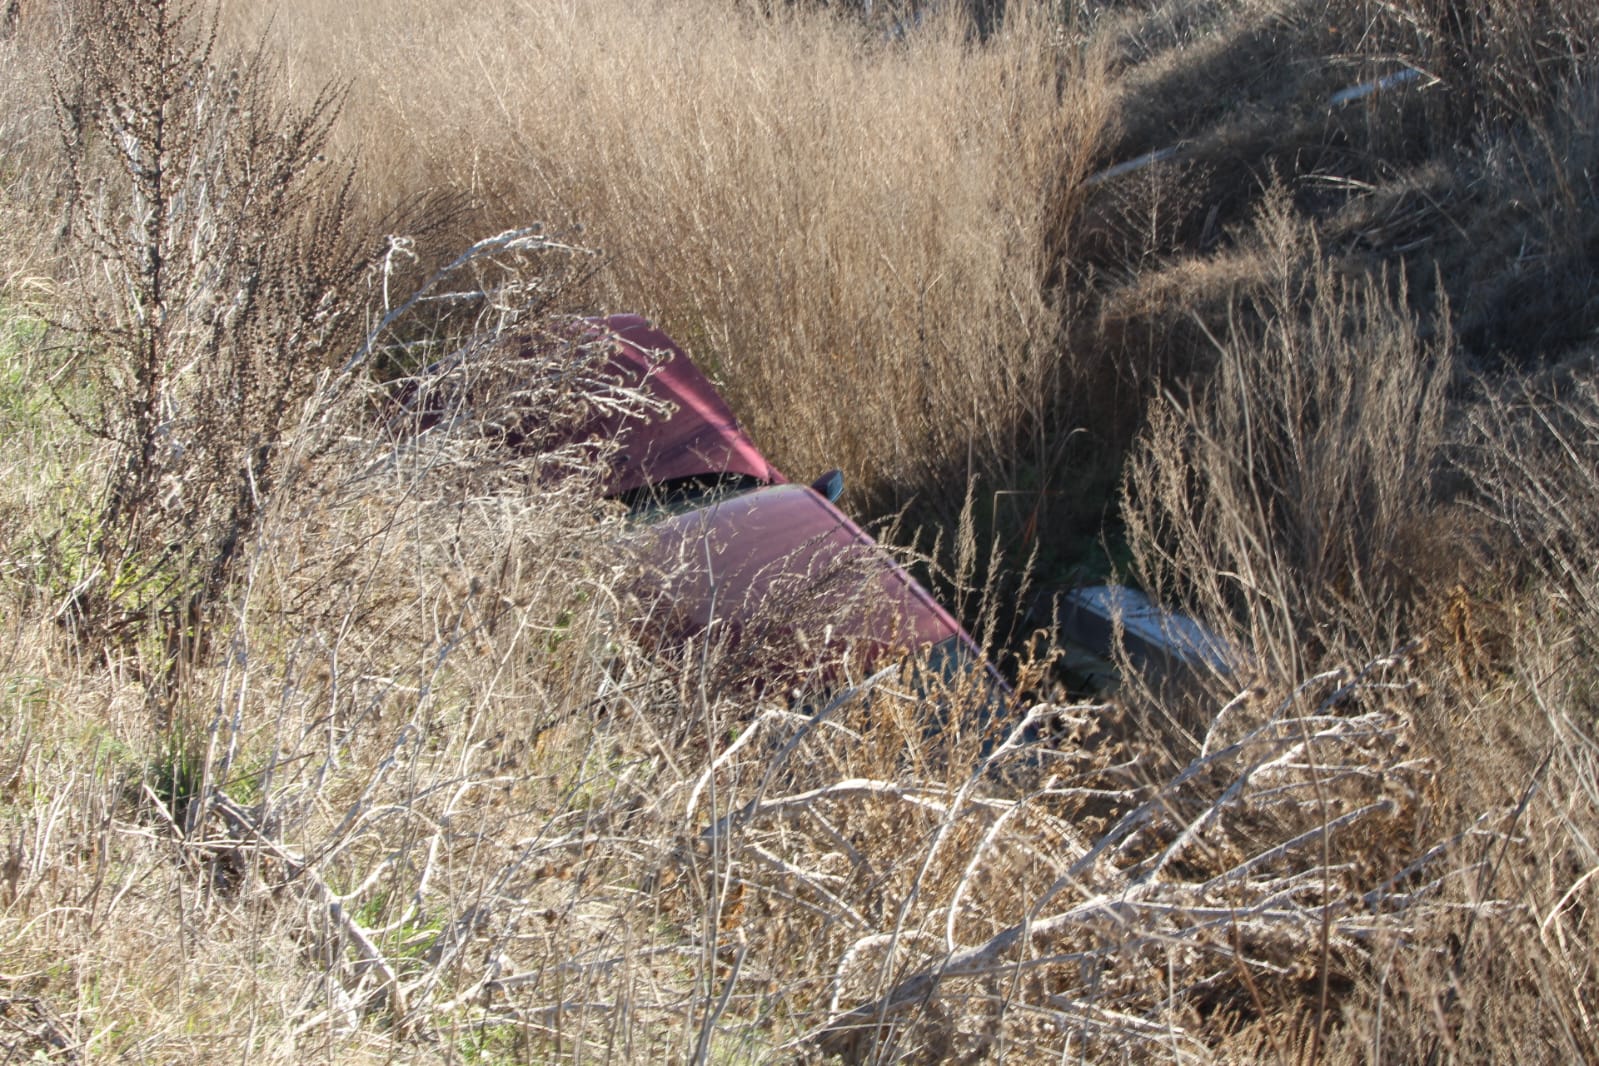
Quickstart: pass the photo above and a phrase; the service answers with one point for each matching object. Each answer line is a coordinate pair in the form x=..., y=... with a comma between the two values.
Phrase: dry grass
x=1466, y=174
x=420, y=794
x=799, y=203
x=1288, y=497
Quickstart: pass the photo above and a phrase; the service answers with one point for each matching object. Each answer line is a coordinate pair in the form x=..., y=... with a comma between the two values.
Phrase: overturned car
x=735, y=552
x=729, y=553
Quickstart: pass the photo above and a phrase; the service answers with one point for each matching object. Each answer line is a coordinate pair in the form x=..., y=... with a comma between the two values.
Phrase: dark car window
x=654, y=502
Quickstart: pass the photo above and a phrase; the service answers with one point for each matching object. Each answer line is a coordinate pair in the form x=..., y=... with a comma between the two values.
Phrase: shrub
x=213, y=277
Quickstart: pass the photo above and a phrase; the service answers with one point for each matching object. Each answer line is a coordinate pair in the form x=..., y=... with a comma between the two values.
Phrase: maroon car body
x=738, y=552
x=695, y=435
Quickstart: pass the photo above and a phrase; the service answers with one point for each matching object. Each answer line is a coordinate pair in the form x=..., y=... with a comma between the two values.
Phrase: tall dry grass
x=1287, y=498
x=850, y=233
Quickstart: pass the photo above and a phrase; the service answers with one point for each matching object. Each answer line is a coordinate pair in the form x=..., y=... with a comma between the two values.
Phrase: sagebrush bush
x=213, y=279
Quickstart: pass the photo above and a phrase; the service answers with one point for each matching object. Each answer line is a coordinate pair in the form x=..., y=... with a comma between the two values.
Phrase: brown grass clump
x=1283, y=498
